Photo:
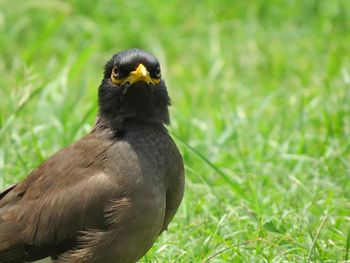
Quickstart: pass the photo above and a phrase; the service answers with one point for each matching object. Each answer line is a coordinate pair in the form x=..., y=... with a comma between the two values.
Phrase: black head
x=133, y=91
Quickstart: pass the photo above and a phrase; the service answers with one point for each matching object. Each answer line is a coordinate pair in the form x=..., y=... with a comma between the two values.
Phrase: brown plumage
x=106, y=197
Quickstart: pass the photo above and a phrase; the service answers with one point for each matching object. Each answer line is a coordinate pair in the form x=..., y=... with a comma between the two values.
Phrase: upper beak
x=141, y=71
x=140, y=74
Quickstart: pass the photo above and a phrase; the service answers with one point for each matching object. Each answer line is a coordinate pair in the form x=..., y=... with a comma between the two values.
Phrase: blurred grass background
x=260, y=93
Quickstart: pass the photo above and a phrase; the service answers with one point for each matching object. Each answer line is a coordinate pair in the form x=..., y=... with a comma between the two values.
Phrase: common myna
x=106, y=197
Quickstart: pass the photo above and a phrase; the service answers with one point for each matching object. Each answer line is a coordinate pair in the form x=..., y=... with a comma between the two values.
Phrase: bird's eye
x=115, y=73
x=115, y=76
x=157, y=73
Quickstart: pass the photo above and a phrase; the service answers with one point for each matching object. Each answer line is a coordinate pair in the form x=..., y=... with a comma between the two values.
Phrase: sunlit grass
x=261, y=113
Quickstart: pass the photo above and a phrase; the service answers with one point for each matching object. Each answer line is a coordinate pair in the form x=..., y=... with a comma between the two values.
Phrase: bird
x=106, y=197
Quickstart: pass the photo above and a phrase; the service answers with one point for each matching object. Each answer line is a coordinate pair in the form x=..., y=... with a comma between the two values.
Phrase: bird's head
x=133, y=91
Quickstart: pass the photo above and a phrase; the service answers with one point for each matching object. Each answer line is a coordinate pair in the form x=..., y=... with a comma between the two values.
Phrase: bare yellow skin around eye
x=140, y=74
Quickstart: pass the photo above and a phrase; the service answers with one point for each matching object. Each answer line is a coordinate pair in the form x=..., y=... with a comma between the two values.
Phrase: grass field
x=261, y=113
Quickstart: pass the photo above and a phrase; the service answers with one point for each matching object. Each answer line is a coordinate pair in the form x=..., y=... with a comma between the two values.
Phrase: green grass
x=261, y=113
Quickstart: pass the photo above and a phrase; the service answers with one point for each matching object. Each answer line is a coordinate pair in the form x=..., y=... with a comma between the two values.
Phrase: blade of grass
x=316, y=237
x=19, y=108
x=347, y=246
x=234, y=185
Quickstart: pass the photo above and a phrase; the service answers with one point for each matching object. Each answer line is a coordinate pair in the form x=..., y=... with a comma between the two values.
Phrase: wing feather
x=61, y=197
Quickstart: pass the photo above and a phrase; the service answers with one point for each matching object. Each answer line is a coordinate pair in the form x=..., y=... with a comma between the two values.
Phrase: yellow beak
x=139, y=74
x=140, y=71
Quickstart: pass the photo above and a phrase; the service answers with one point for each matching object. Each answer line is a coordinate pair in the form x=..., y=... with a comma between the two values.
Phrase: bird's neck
x=103, y=125
x=137, y=107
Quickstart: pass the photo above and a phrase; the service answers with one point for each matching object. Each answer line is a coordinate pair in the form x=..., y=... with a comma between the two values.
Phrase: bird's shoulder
x=70, y=188
x=79, y=161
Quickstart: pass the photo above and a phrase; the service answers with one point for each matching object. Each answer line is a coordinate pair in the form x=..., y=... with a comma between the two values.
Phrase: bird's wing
x=64, y=195
x=8, y=189
x=175, y=187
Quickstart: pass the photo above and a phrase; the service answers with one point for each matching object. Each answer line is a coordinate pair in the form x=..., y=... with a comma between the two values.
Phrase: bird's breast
x=139, y=164
x=143, y=157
